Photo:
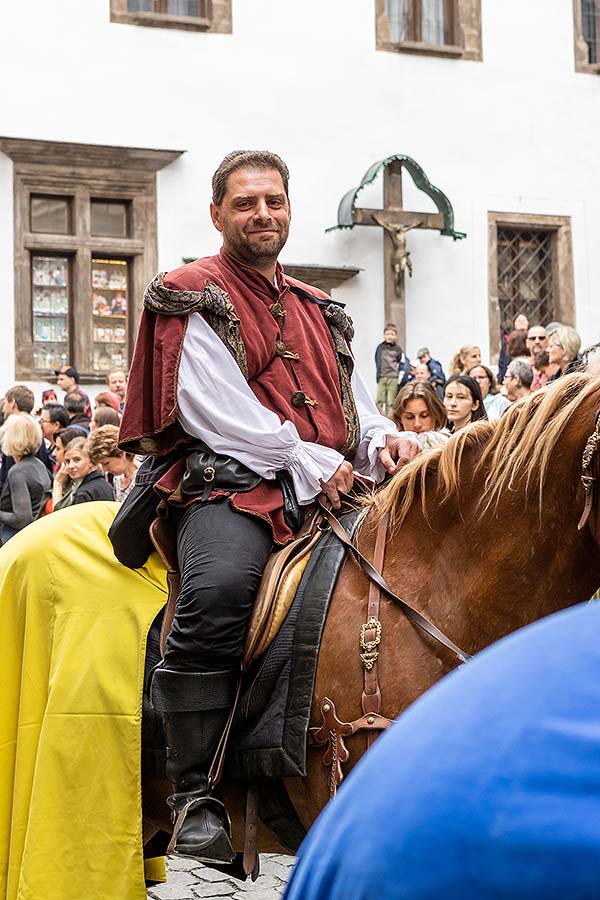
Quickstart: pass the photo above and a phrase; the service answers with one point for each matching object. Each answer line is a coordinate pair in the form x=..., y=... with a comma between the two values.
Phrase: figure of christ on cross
x=400, y=258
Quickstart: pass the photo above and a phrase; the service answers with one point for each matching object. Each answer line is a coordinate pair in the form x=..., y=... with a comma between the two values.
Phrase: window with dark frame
x=208, y=16
x=530, y=258
x=53, y=299
x=195, y=9
x=447, y=28
x=85, y=247
x=525, y=275
x=430, y=22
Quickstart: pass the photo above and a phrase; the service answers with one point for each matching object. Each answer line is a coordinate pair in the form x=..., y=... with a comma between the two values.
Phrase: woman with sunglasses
x=564, y=345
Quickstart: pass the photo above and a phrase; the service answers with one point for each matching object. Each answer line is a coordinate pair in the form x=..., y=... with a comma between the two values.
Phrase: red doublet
x=291, y=369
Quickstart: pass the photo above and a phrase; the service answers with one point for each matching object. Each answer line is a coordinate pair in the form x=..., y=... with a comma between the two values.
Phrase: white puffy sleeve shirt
x=217, y=405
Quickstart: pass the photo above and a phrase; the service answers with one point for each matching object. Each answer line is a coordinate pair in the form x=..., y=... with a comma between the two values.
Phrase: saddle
x=275, y=594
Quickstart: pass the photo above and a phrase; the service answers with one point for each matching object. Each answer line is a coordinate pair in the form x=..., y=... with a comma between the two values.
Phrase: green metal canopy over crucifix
x=396, y=222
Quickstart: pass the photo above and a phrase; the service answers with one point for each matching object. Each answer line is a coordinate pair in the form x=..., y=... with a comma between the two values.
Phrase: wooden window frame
x=83, y=172
x=465, y=26
x=581, y=47
x=563, y=276
x=216, y=18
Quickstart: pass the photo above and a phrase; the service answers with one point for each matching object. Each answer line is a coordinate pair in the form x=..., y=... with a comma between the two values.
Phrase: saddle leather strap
x=370, y=636
x=415, y=617
x=216, y=768
x=251, y=859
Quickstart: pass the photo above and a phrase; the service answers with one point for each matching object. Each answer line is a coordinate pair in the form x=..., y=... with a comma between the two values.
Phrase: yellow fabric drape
x=73, y=625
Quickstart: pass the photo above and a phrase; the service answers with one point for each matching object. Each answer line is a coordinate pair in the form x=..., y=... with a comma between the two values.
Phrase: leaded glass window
x=525, y=275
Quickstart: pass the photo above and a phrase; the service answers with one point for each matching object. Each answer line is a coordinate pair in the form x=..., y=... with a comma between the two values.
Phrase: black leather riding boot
x=195, y=708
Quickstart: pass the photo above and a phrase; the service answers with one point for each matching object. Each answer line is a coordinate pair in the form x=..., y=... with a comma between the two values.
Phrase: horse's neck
x=480, y=578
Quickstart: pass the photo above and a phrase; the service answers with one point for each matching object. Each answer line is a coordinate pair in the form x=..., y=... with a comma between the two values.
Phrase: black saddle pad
x=270, y=729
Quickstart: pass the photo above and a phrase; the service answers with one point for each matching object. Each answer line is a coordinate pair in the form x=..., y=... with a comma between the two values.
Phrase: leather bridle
x=589, y=477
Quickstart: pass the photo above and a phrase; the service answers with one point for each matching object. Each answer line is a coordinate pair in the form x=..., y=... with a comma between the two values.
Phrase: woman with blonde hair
x=466, y=358
x=28, y=484
x=90, y=484
x=418, y=408
x=564, y=345
x=104, y=452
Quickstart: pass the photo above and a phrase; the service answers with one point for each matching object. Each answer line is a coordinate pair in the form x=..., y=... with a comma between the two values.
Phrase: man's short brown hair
x=22, y=396
x=246, y=159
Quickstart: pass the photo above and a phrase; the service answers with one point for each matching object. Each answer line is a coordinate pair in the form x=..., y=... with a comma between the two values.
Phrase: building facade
x=115, y=113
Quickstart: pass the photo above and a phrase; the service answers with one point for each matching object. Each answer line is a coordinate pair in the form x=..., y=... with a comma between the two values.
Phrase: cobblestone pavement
x=189, y=881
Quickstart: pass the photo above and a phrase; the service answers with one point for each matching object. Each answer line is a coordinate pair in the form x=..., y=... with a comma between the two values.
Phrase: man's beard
x=255, y=252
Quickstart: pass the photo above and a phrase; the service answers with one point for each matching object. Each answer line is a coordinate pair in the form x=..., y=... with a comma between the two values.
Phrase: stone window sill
x=157, y=20
x=589, y=68
x=448, y=50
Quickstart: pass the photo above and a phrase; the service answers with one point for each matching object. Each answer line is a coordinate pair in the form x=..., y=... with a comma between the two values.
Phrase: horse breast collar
x=333, y=731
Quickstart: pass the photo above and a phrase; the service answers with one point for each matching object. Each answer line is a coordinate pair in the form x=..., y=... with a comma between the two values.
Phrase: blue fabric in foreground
x=487, y=787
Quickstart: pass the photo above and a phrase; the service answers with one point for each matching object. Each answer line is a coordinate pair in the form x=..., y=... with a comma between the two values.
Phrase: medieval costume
x=245, y=397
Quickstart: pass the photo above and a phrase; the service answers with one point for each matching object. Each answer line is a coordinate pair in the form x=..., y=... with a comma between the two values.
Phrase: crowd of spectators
x=66, y=453
x=420, y=398
x=63, y=453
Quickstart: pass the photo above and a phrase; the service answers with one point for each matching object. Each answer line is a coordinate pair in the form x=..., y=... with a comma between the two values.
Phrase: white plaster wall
x=517, y=132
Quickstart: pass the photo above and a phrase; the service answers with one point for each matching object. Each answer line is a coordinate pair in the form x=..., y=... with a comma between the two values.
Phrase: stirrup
x=221, y=849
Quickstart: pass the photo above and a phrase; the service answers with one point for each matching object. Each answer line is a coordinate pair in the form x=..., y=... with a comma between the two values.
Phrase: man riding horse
x=244, y=396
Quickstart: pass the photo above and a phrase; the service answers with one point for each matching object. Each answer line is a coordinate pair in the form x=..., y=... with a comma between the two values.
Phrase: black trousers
x=222, y=555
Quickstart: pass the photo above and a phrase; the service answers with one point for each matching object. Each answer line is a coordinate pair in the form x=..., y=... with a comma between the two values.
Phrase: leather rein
x=415, y=617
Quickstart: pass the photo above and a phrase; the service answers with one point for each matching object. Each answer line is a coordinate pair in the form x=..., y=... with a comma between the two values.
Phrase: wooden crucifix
x=397, y=222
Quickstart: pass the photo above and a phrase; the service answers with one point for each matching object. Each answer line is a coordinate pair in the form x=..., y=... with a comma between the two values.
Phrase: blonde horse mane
x=516, y=450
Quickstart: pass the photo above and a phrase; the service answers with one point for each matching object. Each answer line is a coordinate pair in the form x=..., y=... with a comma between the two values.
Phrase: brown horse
x=483, y=540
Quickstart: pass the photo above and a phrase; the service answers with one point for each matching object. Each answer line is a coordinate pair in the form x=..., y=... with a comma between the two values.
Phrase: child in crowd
x=392, y=369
